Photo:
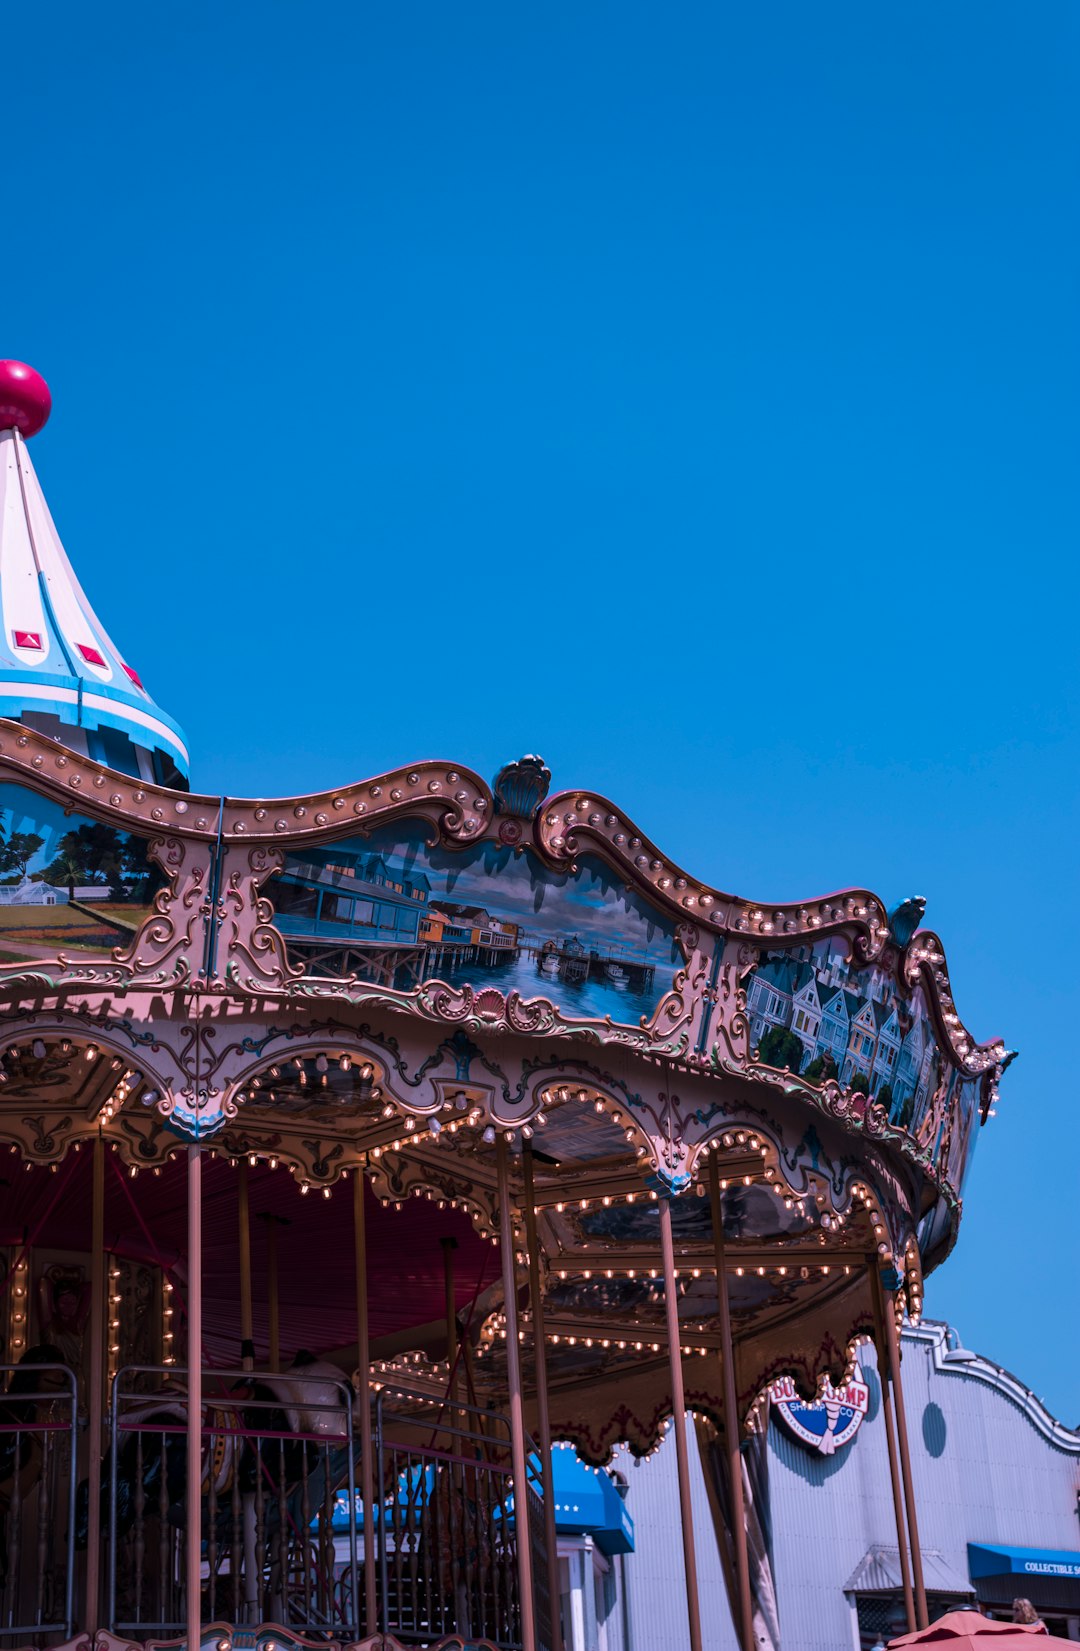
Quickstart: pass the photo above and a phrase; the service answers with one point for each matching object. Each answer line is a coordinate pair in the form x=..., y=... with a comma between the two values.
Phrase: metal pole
x=894, y=1466
x=543, y=1411
x=678, y=1406
x=193, y=1569
x=243, y=1212
x=449, y=1245
x=363, y=1378
x=517, y=1412
x=737, y=1502
x=273, y=1296
x=893, y=1343
x=96, y=1396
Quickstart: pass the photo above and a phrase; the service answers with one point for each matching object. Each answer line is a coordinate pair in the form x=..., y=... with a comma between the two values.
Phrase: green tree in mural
x=821, y=1068
x=96, y=854
x=16, y=852
x=69, y=867
x=141, y=877
x=779, y=1047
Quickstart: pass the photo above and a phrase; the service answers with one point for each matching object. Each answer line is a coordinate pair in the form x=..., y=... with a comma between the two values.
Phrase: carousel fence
x=446, y=1526
x=38, y=1467
x=277, y=1526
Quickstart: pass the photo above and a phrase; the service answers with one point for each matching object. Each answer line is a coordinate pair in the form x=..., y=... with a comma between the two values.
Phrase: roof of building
x=55, y=654
x=878, y=1572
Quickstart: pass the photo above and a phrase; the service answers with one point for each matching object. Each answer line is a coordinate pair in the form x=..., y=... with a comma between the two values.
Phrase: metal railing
x=276, y=1542
x=446, y=1530
x=38, y=1416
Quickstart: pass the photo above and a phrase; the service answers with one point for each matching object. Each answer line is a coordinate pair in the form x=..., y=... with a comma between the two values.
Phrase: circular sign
x=827, y=1423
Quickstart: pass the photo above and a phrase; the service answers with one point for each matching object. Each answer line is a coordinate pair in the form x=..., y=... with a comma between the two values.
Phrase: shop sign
x=829, y=1422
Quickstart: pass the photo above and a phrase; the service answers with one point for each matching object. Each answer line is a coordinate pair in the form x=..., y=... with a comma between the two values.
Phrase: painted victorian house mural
x=810, y=1011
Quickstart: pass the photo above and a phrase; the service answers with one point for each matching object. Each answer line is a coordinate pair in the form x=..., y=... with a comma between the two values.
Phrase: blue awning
x=587, y=1503
x=988, y=1559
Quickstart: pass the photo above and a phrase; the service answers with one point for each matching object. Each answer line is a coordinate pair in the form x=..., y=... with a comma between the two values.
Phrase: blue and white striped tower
x=60, y=673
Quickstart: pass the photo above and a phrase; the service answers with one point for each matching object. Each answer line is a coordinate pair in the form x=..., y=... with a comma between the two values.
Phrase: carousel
x=361, y=1146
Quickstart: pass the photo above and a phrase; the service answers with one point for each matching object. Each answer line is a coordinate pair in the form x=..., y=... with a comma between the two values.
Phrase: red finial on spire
x=25, y=402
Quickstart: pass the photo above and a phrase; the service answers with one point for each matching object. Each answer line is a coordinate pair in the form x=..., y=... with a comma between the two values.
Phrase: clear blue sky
x=688, y=393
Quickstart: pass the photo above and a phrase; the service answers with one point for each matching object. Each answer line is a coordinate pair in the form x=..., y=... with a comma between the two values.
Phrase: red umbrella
x=970, y=1631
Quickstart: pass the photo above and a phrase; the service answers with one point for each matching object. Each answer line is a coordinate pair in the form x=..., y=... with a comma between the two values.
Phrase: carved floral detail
x=171, y=947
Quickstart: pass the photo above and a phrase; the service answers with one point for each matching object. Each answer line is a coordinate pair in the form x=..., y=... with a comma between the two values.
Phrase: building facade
x=997, y=1482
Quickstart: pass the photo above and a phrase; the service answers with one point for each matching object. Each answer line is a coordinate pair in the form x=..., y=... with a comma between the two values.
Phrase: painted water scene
x=392, y=910
x=67, y=883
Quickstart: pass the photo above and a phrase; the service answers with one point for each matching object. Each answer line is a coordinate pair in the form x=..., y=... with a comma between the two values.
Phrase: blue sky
x=686, y=393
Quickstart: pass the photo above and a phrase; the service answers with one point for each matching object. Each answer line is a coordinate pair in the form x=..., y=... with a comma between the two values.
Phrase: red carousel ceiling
x=146, y=1220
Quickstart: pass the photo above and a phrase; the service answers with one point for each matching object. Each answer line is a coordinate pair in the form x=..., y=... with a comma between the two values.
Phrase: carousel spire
x=60, y=672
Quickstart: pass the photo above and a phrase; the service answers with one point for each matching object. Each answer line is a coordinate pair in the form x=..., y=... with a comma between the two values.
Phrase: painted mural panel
x=392, y=910
x=812, y=1011
x=67, y=883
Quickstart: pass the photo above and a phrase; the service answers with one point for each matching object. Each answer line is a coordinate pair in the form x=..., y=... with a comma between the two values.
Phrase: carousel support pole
x=543, y=1412
x=890, y=1438
x=96, y=1394
x=363, y=1377
x=678, y=1406
x=745, y=1625
x=193, y=1569
x=273, y=1288
x=243, y=1211
x=448, y=1246
x=892, y=1341
x=517, y=1408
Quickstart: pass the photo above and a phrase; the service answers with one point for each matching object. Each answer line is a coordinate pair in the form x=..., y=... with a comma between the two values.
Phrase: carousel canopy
x=509, y=1012
x=60, y=671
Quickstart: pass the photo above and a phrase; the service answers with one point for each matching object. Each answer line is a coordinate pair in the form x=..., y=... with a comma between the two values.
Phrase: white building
x=997, y=1482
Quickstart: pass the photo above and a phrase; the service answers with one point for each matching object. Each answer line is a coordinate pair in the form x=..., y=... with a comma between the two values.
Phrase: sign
x=828, y=1423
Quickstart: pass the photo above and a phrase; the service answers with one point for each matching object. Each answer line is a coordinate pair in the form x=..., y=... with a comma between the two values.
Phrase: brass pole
x=517, y=1409
x=96, y=1396
x=737, y=1501
x=449, y=1245
x=678, y=1406
x=894, y=1466
x=273, y=1292
x=363, y=1378
x=893, y=1343
x=243, y=1211
x=543, y=1410
x=193, y=1568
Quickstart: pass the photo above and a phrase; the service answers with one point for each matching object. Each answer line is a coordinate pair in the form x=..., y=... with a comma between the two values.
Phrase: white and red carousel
x=363, y=1144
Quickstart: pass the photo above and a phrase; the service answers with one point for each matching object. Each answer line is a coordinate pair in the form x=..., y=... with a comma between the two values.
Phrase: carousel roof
x=509, y=1005
x=56, y=658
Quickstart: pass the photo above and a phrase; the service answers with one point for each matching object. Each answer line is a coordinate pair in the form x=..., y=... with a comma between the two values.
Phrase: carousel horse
x=21, y=1453
x=151, y=1468
x=152, y=1459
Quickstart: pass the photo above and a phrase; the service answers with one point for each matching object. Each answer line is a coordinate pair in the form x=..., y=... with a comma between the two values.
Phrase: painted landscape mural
x=810, y=1011
x=67, y=883
x=392, y=910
